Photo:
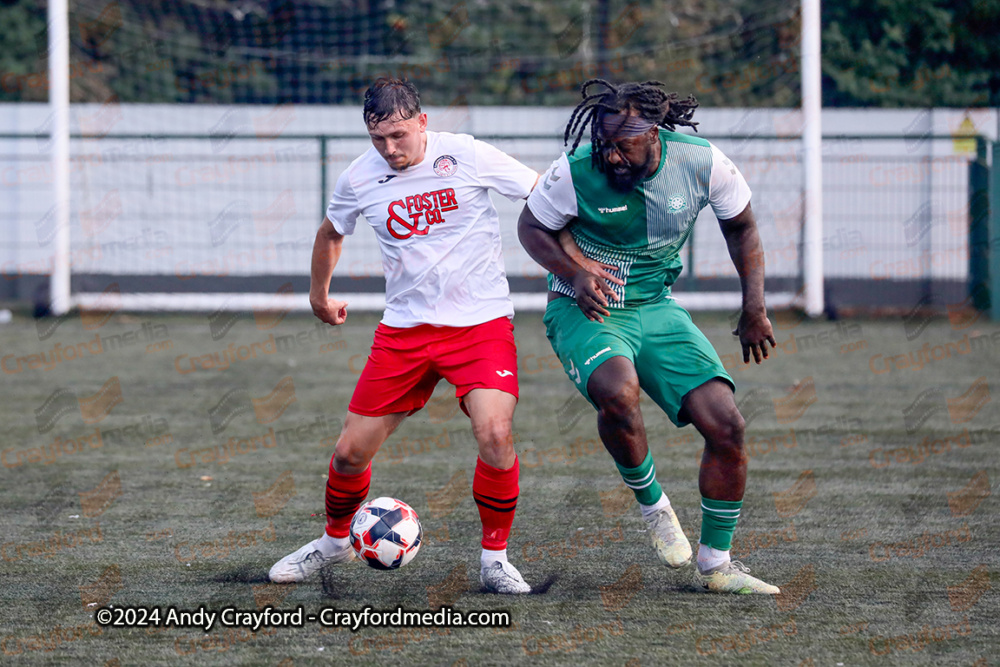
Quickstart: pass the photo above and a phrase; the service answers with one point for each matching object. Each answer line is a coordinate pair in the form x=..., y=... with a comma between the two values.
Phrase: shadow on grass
x=538, y=589
x=246, y=574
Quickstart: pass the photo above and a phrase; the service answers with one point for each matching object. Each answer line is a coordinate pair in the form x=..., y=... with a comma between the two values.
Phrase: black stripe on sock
x=334, y=489
x=476, y=494
x=494, y=508
x=343, y=506
x=344, y=499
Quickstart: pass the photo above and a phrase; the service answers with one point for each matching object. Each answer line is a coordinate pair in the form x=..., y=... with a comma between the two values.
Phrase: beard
x=625, y=177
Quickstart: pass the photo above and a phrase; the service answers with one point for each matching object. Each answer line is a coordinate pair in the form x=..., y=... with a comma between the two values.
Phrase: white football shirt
x=437, y=228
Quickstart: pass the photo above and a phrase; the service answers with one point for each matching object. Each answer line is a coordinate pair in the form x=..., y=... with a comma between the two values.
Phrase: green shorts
x=670, y=354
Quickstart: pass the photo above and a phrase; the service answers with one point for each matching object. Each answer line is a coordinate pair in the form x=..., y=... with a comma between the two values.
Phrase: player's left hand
x=755, y=332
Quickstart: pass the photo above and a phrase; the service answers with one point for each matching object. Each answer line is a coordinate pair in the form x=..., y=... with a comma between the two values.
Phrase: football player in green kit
x=629, y=201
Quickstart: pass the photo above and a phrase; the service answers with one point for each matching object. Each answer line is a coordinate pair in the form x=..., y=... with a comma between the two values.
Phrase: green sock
x=642, y=481
x=718, y=521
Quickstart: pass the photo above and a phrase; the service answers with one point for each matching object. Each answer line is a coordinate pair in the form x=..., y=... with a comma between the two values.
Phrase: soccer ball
x=385, y=533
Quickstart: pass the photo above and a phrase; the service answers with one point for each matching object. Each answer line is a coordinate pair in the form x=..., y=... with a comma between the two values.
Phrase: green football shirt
x=642, y=231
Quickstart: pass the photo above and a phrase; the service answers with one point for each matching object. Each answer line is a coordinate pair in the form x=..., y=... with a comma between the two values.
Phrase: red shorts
x=406, y=364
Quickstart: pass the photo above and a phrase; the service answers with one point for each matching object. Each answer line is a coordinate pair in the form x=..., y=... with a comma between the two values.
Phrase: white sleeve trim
x=553, y=201
x=728, y=192
x=343, y=205
x=501, y=172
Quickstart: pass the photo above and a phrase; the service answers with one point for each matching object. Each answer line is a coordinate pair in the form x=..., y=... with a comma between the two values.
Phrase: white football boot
x=303, y=563
x=502, y=577
x=733, y=577
x=669, y=540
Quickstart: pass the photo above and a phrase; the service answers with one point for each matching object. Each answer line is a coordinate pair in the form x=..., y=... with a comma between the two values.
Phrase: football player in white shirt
x=448, y=314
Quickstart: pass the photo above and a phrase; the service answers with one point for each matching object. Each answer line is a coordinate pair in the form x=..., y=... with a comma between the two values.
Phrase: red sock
x=344, y=495
x=495, y=492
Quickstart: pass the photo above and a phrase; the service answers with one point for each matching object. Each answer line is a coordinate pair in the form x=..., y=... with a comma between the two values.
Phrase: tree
x=22, y=57
x=914, y=53
x=745, y=53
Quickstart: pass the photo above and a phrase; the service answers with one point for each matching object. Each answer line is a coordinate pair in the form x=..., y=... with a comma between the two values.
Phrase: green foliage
x=726, y=52
x=916, y=53
x=22, y=66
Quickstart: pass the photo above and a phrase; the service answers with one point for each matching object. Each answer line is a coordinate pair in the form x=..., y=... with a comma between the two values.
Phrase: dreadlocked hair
x=666, y=110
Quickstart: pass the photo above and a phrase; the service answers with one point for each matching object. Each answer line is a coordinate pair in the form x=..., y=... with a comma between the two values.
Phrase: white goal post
x=226, y=226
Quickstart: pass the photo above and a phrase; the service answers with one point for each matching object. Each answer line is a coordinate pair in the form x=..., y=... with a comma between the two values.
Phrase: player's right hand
x=329, y=310
x=600, y=269
x=592, y=294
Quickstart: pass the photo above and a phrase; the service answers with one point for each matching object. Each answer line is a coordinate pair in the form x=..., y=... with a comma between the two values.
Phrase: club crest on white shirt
x=445, y=166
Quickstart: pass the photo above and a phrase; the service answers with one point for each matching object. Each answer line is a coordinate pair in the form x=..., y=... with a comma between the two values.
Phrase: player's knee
x=495, y=435
x=726, y=433
x=496, y=445
x=736, y=427
x=618, y=402
x=349, y=460
x=618, y=407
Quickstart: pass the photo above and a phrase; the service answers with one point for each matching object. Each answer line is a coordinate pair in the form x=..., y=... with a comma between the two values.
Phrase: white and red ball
x=385, y=533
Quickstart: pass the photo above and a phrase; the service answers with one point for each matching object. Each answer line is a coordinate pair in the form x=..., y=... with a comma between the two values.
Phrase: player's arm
x=747, y=253
x=506, y=175
x=601, y=269
x=326, y=252
x=542, y=244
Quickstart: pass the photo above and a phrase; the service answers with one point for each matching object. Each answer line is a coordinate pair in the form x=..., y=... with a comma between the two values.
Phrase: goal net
x=207, y=136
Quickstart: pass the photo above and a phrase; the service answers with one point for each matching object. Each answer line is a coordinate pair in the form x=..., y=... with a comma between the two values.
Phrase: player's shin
x=344, y=495
x=719, y=518
x=642, y=481
x=495, y=492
